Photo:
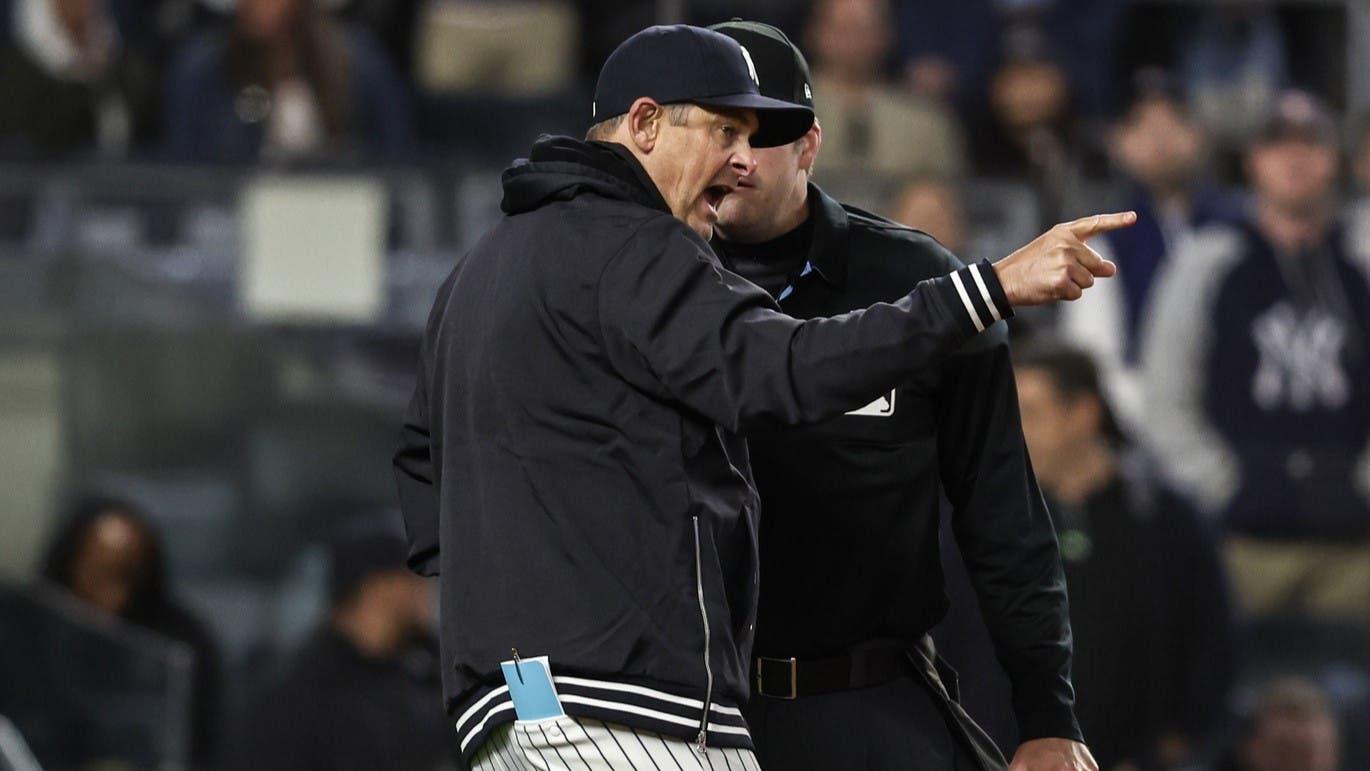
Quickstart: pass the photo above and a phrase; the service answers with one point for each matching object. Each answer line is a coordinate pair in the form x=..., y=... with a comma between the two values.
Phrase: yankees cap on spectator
x=680, y=63
x=1298, y=115
x=781, y=67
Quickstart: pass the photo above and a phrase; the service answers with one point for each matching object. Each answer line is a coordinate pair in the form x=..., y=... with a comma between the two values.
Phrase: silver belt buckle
x=794, y=676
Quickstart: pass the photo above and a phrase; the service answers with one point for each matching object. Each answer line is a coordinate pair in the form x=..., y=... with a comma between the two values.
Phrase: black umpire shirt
x=849, y=535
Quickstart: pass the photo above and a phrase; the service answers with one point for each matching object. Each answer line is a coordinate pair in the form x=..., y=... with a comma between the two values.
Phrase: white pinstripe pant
x=582, y=744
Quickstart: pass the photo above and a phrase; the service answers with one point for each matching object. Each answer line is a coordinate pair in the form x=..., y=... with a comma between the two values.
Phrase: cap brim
x=1318, y=134
x=780, y=122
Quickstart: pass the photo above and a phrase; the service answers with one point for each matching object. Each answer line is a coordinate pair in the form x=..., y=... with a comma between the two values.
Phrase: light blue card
x=531, y=688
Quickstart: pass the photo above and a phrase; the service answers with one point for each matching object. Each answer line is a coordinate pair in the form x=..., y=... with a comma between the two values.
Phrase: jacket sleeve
x=1005, y=534
x=680, y=326
x=415, y=478
x=416, y=472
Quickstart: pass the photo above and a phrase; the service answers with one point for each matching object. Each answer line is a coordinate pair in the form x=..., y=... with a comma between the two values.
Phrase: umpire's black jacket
x=569, y=462
x=850, y=538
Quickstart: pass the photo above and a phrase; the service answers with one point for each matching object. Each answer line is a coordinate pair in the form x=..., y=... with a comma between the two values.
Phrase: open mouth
x=714, y=195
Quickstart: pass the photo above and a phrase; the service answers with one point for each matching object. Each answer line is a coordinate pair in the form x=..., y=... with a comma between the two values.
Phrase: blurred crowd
x=1200, y=424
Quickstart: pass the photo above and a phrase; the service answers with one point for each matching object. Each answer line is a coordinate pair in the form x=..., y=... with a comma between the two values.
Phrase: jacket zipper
x=701, y=744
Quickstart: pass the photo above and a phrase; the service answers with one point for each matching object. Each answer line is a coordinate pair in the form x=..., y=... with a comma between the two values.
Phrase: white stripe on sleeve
x=965, y=300
x=984, y=292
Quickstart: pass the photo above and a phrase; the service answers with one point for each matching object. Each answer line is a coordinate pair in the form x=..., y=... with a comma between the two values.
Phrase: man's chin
x=737, y=214
x=705, y=228
x=736, y=228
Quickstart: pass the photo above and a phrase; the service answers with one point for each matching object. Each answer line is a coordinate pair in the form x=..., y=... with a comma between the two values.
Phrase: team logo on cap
x=751, y=68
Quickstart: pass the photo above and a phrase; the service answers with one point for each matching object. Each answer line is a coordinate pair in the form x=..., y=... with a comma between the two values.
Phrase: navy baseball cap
x=1297, y=115
x=680, y=63
x=781, y=67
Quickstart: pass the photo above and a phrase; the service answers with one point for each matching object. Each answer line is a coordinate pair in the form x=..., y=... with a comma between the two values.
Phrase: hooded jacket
x=1257, y=371
x=571, y=464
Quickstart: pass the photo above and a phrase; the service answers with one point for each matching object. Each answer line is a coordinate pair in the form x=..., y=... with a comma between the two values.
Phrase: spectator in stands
x=869, y=125
x=110, y=558
x=70, y=84
x=1361, y=162
x=1293, y=729
x=946, y=50
x=1148, y=598
x=364, y=692
x=1257, y=376
x=1160, y=149
x=1358, y=209
x=1030, y=137
x=392, y=22
x=949, y=50
x=154, y=26
x=286, y=81
x=1233, y=64
x=934, y=206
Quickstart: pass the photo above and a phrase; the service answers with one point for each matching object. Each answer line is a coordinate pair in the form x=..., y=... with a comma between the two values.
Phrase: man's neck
x=1089, y=471
x=1172, y=201
x=1291, y=230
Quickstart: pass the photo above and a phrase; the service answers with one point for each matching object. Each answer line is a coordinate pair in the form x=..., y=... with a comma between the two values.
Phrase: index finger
x=1101, y=223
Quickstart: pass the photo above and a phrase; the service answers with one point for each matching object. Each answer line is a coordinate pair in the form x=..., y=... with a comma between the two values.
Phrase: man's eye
x=729, y=132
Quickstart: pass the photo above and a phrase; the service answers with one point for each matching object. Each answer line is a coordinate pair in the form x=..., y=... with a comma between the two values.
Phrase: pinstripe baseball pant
x=578, y=744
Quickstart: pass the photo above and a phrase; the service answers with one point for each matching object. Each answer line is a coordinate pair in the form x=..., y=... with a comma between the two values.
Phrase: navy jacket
x=570, y=465
x=1257, y=373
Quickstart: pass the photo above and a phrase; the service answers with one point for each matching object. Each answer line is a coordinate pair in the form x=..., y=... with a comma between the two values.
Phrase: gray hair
x=676, y=113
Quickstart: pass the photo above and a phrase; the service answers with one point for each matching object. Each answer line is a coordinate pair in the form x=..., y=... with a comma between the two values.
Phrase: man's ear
x=644, y=123
x=813, y=142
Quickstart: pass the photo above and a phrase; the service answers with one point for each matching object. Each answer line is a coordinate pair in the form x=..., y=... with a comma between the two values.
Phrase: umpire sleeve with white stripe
x=679, y=325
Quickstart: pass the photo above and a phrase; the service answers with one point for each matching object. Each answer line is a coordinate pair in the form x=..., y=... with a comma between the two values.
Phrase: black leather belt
x=861, y=667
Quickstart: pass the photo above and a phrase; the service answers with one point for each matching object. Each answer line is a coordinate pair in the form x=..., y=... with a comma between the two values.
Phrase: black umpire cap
x=783, y=71
x=680, y=63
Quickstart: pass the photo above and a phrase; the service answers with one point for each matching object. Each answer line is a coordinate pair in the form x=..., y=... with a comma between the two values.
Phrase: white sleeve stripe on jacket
x=984, y=292
x=965, y=300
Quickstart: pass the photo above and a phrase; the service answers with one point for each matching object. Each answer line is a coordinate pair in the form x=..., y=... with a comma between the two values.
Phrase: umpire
x=849, y=541
x=570, y=462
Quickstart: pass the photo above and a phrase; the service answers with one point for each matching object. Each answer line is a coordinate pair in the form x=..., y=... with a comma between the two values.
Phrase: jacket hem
x=635, y=706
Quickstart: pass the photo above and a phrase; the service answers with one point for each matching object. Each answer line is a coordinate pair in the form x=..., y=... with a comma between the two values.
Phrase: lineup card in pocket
x=531, y=688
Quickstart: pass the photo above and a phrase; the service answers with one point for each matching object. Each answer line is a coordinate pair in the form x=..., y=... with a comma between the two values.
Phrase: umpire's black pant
x=909, y=723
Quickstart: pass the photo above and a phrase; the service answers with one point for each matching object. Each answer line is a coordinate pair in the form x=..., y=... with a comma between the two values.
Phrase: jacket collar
x=560, y=168
x=830, y=247
x=644, y=180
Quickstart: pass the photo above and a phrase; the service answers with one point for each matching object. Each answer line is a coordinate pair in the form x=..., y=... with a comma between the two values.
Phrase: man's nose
x=743, y=162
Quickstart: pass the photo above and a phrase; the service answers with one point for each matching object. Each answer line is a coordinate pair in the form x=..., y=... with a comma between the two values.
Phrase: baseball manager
x=571, y=465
